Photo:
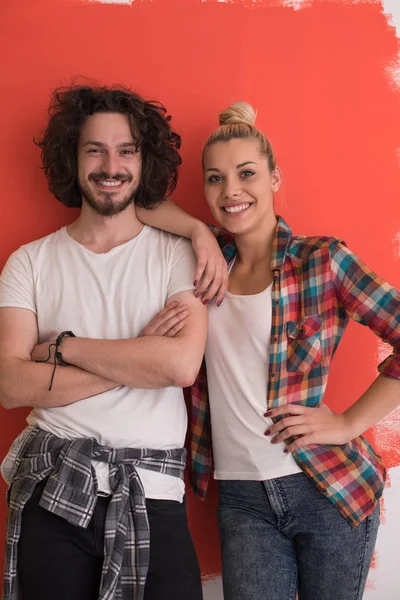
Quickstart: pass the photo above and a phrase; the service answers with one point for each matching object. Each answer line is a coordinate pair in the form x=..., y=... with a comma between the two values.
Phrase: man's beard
x=106, y=208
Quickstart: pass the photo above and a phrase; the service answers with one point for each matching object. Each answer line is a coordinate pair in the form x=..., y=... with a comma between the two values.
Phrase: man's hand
x=169, y=321
x=212, y=270
x=309, y=426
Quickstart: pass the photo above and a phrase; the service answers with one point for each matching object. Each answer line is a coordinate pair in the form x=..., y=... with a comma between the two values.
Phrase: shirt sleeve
x=17, y=282
x=369, y=300
x=183, y=267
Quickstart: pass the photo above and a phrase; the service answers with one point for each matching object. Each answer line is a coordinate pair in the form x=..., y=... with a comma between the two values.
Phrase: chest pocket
x=304, y=344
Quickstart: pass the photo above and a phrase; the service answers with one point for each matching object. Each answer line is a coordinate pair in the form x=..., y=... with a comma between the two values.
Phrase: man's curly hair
x=70, y=107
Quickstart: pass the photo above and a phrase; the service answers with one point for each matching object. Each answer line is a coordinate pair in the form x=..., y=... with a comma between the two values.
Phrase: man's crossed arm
x=148, y=361
x=152, y=361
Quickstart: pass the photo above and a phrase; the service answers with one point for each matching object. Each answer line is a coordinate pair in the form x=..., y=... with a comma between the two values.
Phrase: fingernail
x=286, y=450
x=219, y=302
x=197, y=295
x=268, y=413
x=195, y=282
x=267, y=432
x=205, y=301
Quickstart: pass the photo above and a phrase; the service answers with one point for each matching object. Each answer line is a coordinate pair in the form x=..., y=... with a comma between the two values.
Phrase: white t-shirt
x=107, y=296
x=237, y=358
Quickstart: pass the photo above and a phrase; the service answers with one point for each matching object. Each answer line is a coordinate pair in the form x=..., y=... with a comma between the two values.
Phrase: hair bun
x=240, y=113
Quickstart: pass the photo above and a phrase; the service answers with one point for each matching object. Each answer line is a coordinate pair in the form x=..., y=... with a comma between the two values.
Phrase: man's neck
x=100, y=234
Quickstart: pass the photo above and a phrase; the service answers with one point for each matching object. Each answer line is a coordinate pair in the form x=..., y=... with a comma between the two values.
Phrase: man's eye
x=127, y=152
x=94, y=150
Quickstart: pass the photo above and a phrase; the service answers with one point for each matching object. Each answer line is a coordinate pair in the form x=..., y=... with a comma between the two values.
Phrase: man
x=99, y=470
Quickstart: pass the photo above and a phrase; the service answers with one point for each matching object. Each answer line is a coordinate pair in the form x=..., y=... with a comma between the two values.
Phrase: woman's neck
x=256, y=246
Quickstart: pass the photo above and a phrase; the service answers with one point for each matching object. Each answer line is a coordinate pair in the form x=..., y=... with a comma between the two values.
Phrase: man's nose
x=110, y=164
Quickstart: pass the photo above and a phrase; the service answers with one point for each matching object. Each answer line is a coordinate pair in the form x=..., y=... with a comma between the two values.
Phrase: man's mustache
x=101, y=175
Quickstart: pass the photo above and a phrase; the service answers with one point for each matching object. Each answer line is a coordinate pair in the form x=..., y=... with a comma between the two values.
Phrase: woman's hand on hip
x=308, y=425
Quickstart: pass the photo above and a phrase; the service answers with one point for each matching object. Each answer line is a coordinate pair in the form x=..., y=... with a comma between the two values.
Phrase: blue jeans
x=282, y=536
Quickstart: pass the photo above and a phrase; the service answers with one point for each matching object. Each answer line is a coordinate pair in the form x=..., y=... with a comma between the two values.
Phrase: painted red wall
x=318, y=78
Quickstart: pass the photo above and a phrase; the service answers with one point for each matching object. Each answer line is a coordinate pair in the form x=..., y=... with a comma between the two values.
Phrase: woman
x=298, y=486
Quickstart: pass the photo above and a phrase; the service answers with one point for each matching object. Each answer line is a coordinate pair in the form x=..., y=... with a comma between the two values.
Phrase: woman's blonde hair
x=238, y=122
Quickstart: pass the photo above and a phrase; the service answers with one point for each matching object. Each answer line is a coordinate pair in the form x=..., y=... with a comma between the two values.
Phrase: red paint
x=383, y=511
x=370, y=585
x=316, y=75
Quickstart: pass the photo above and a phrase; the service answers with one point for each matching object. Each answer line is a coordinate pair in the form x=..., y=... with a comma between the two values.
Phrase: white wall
x=392, y=7
x=212, y=590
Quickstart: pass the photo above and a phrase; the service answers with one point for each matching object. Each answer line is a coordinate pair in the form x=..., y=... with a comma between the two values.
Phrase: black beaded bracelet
x=59, y=340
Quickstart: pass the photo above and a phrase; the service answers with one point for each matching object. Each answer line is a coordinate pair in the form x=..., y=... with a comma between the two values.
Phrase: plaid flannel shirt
x=318, y=284
x=71, y=492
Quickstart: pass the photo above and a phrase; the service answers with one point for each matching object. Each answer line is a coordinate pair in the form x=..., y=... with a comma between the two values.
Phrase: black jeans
x=57, y=560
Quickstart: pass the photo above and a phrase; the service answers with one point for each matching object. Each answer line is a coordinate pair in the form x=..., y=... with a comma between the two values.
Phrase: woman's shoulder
x=302, y=247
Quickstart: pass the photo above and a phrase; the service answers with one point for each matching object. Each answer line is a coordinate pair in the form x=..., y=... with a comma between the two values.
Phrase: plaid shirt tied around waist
x=71, y=493
x=318, y=284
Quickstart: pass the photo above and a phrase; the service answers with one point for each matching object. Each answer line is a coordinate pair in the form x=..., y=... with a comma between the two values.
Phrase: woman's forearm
x=170, y=217
x=211, y=275
x=379, y=400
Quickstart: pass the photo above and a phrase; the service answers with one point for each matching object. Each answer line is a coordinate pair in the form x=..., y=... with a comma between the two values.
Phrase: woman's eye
x=247, y=174
x=214, y=179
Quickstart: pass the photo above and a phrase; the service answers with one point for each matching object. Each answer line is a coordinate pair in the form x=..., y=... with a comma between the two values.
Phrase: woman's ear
x=276, y=178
